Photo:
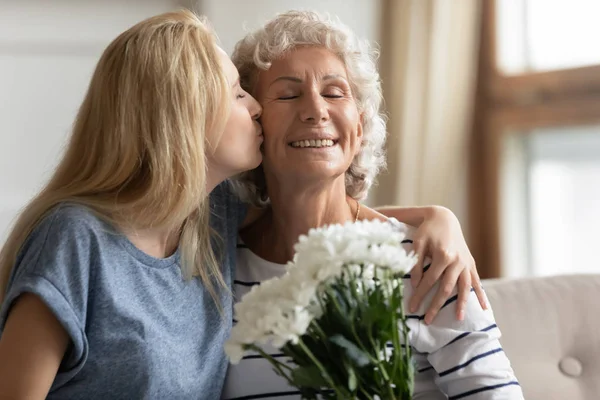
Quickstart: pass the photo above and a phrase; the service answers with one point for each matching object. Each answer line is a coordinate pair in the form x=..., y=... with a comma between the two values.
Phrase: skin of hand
x=440, y=237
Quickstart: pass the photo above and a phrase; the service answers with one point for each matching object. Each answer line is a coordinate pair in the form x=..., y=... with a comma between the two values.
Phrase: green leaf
x=308, y=377
x=355, y=354
x=351, y=379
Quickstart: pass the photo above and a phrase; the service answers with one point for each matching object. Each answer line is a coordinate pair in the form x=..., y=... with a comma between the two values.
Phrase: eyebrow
x=287, y=78
x=298, y=80
x=236, y=83
x=333, y=76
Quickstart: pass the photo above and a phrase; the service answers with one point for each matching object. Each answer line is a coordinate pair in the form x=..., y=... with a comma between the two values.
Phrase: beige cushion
x=551, y=333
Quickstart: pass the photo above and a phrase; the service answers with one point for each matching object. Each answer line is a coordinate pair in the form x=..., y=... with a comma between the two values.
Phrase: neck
x=214, y=179
x=217, y=174
x=158, y=243
x=295, y=211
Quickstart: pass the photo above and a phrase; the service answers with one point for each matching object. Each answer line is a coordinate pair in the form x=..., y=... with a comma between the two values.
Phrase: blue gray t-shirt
x=138, y=329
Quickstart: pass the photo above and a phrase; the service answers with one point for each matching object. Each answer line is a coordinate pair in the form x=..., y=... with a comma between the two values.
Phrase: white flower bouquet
x=337, y=313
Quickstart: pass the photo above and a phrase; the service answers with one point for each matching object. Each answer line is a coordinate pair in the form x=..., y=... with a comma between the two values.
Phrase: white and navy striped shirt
x=455, y=359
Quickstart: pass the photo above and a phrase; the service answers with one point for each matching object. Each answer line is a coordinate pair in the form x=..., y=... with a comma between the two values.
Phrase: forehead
x=227, y=65
x=306, y=60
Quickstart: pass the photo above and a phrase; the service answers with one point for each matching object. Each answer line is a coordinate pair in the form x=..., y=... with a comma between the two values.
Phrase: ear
x=359, y=135
x=359, y=130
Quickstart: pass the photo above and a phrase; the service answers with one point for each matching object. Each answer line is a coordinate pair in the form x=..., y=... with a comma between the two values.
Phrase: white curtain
x=428, y=65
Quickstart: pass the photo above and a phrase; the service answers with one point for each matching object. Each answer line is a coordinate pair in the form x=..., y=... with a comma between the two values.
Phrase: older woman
x=324, y=133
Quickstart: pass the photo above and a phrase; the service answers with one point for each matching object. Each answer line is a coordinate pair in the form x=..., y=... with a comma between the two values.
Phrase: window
x=545, y=35
x=550, y=201
x=535, y=187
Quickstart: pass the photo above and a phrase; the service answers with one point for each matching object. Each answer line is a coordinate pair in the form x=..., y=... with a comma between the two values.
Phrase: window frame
x=505, y=104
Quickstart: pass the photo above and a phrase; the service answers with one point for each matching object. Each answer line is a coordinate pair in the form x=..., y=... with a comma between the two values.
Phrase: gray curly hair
x=282, y=34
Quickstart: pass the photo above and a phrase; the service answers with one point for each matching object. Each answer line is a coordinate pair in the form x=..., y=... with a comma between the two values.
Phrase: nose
x=255, y=108
x=314, y=108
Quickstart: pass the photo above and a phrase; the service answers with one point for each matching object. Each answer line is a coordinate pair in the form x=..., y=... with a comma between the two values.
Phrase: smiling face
x=311, y=123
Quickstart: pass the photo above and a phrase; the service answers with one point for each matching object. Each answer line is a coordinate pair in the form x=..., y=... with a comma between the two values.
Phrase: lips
x=313, y=143
x=314, y=139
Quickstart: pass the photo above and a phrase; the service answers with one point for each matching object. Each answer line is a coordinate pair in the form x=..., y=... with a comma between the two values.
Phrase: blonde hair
x=136, y=155
x=289, y=30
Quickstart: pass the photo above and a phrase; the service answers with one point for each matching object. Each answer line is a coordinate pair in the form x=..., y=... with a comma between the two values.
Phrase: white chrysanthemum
x=280, y=310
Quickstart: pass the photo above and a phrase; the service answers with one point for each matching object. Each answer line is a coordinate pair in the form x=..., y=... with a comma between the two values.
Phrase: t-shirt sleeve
x=54, y=264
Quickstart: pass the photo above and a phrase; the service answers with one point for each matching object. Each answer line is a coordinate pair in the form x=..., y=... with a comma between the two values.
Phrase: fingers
x=464, y=291
x=476, y=283
x=427, y=281
x=419, y=246
x=446, y=288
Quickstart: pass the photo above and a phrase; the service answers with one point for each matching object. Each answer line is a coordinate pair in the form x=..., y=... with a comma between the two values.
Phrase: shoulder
x=59, y=258
x=69, y=216
x=68, y=238
x=67, y=224
x=368, y=213
x=407, y=230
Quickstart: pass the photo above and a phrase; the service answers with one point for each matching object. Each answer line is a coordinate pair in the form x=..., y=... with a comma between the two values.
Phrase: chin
x=318, y=174
x=255, y=164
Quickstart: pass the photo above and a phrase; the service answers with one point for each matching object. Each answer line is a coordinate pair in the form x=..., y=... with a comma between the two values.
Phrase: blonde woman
x=94, y=304
x=109, y=282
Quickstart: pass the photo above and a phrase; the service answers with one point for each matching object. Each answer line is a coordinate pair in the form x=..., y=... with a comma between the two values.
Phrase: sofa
x=551, y=333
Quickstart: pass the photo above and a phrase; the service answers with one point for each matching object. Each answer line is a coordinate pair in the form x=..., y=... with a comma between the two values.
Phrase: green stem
x=358, y=341
x=324, y=372
x=402, y=363
x=377, y=349
x=323, y=335
x=367, y=395
x=408, y=352
x=396, y=337
x=318, y=328
x=276, y=364
x=321, y=332
x=376, y=360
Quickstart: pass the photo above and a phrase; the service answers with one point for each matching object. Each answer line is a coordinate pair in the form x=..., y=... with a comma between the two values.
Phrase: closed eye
x=287, y=97
x=333, y=96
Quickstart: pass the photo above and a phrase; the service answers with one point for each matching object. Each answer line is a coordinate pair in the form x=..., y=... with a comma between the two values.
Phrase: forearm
x=413, y=216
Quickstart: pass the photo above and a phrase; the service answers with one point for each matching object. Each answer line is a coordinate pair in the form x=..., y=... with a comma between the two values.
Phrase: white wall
x=232, y=18
x=48, y=50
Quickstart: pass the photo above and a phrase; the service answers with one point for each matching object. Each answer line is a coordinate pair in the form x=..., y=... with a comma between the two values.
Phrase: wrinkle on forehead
x=316, y=64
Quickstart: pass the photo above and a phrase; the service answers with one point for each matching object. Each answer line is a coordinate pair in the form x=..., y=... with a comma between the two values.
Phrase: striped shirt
x=454, y=359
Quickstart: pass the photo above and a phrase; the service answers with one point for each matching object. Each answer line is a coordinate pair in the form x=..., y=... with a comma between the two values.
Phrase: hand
x=440, y=237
